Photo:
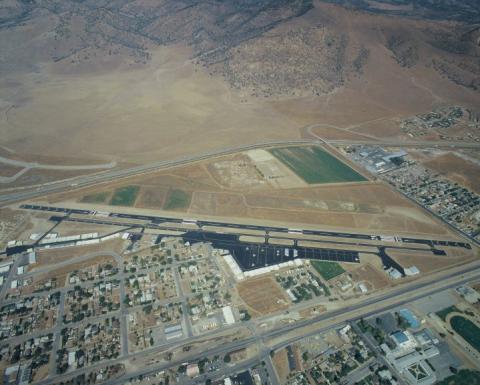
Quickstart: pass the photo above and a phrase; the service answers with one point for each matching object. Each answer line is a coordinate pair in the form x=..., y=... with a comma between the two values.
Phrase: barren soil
x=458, y=169
x=77, y=88
x=357, y=206
x=262, y=295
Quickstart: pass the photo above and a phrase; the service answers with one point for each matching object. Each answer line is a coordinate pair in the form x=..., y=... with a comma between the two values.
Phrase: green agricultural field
x=315, y=165
x=467, y=329
x=96, y=198
x=177, y=200
x=327, y=270
x=125, y=196
x=463, y=377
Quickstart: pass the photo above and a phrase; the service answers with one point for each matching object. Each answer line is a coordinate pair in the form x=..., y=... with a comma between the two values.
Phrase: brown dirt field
x=313, y=310
x=8, y=215
x=74, y=228
x=52, y=256
x=457, y=169
x=8, y=170
x=325, y=245
x=235, y=172
x=359, y=206
x=176, y=105
x=50, y=159
x=172, y=104
x=280, y=361
x=383, y=128
x=203, y=203
x=151, y=197
x=41, y=176
x=41, y=373
x=426, y=262
x=14, y=224
x=376, y=193
x=278, y=241
x=251, y=239
x=455, y=252
x=476, y=286
x=62, y=273
x=331, y=133
x=368, y=273
x=262, y=295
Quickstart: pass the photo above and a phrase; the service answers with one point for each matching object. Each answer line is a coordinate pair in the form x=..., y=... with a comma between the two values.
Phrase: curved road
x=21, y=163
x=88, y=180
x=366, y=308
x=107, y=176
x=27, y=166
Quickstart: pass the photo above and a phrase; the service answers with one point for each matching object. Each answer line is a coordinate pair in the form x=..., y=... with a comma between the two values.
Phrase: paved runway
x=249, y=255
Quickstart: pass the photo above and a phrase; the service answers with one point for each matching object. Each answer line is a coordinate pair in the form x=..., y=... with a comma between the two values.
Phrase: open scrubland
x=461, y=169
x=135, y=81
x=245, y=193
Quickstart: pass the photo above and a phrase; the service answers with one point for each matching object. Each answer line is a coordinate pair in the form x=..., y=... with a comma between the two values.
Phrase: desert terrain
x=238, y=192
x=98, y=87
x=245, y=186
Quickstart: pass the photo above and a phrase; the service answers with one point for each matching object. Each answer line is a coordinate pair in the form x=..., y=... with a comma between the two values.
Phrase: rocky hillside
x=264, y=48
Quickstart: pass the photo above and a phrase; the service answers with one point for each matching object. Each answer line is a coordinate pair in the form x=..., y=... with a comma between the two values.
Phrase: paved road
x=21, y=163
x=381, y=303
x=90, y=180
x=27, y=166
x=376, y=350
x=115, y=175
x=52, y=370
x=333, y=316
x=400, y=143
x=272, y=373
x=157, y=221
x=436, y=215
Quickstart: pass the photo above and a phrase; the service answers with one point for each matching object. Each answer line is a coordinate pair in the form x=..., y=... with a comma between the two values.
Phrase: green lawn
x=444, y=312
x=125, y=196
x=177, y=199
x=463, y=377
x=467, y=329
x=96, y=198
x=327, y=270
x=315, y=165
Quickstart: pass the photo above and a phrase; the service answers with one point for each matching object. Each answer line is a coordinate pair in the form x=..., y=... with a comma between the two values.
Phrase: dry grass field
x=280, y=360
x=375, y=279
x=35, y=177
x=93, y=98
x=198, y=190
x=7, y=170
x=47, y=257
x=332, y=133
x=458, y=169
x=169, y=101
x=262, y=295
x=106, y=103
x=61, y=274
x=427, y=263
x=12, y=224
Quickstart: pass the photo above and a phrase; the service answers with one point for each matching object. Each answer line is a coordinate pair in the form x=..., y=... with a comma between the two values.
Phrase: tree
x=227, y=358
x=147, y=309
